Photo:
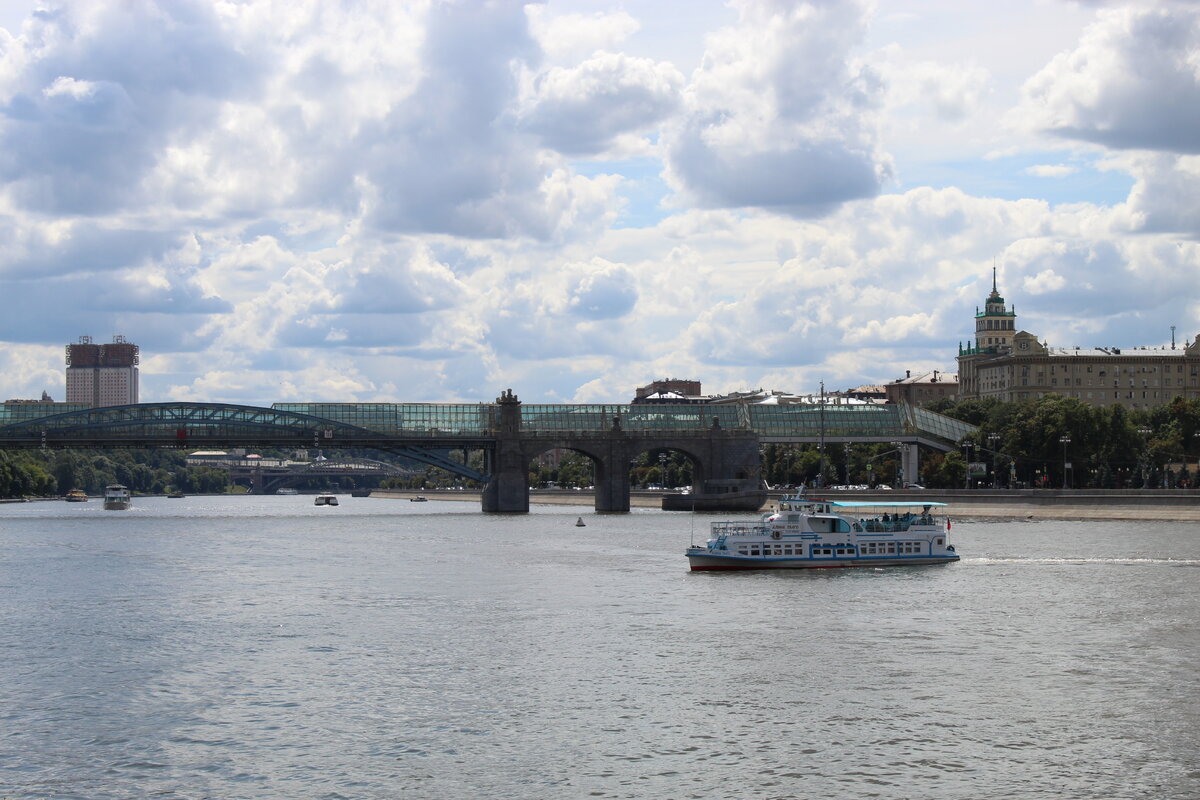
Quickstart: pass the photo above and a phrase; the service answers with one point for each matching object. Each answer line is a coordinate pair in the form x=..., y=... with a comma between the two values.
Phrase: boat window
x=938, y=540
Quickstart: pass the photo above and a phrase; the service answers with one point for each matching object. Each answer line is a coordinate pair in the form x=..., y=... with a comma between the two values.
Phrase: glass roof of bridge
x=11, y=413
x=786, y=421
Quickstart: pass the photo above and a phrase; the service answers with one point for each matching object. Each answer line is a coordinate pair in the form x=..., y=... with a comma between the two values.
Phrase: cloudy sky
x=434, y=201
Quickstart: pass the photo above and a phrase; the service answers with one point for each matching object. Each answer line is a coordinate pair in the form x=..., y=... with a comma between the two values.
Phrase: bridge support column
x=508, y=489
x=612, y=475
x=911, y=455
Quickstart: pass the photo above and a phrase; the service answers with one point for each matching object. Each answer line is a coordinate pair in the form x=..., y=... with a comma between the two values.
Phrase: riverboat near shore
x=76, y=496
x=117, y=497
x=814, y=534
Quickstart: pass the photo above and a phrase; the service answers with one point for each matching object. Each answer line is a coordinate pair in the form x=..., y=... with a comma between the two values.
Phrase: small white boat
x=325, y=500
x=419, y=499
x=116, y=497
x=815, y=534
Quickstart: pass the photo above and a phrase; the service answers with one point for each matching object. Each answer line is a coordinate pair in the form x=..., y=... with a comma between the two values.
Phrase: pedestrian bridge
x=722, y=440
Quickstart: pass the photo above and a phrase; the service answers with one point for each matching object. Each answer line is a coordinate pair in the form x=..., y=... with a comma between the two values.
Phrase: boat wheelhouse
x=813, y=534
x=117, y=497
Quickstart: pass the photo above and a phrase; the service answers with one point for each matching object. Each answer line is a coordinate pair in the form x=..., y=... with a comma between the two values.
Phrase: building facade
x=1012, y=365
x=921, y=390
x=671, y=390
x=102, y=374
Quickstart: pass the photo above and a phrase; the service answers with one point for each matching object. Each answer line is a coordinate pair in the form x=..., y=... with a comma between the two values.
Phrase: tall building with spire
x=102, y=374
x=1012, y=365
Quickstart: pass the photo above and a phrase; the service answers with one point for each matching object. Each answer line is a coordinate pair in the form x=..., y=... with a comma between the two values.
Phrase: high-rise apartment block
x=102, y=374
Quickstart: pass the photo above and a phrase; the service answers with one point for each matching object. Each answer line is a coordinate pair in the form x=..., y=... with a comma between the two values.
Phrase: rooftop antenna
x=1172, y=337
x=994, y=275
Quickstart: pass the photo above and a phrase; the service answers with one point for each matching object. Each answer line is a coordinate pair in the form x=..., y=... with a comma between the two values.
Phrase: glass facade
x=11, y=413
x=403, y=419
x=808, y=420
x=594, y=418
x=938, y=425
x=435, y=420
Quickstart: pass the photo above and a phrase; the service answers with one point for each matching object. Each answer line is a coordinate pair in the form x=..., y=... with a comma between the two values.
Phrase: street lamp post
x=1065, y=440
x=967, y=471
x=992, y=439
x=662, y=471
x=821, y=446
x=902, y=451
x=1143, y=461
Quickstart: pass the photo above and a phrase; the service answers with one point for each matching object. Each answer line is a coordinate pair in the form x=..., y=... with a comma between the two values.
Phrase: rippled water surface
x=263, y=648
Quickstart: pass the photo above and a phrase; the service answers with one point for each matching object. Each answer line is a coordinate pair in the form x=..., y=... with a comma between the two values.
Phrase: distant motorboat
x=325, y=500
x=76, y=496
x=419, y=499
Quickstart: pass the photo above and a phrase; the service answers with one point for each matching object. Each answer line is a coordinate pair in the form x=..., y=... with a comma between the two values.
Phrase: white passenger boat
x=325, y=500
x=811, y=534
x=116, y=497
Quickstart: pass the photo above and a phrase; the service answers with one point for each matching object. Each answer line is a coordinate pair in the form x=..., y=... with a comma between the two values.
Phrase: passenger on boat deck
x=886, y=518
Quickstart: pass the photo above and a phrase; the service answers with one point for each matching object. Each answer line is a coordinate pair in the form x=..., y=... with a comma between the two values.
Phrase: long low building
x=1012, y=365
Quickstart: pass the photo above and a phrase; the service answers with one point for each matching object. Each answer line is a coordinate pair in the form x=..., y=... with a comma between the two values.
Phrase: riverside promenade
x=1131, y=504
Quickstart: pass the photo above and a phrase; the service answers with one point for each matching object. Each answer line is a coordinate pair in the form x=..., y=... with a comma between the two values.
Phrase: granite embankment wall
x=1019, y=504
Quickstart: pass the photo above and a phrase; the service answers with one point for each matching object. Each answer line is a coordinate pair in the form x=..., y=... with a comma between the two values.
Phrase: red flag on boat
x=948, y=526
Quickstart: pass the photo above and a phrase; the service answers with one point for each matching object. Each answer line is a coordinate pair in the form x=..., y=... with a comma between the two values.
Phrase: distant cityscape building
x=868, y=392
x=102, y=374
x=1012, y=365
x=671, y=390
x=921, y=390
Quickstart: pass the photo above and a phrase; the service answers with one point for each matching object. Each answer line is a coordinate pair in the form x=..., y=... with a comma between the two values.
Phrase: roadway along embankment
x=1152, y=504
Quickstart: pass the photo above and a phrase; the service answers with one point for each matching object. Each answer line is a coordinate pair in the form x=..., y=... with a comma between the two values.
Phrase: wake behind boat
x=813, y=534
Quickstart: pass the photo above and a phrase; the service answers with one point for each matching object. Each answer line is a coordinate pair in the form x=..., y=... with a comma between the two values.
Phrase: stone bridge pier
x=730, y=457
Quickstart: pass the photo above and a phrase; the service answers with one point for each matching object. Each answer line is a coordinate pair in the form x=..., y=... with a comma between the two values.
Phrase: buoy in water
x=579, y=523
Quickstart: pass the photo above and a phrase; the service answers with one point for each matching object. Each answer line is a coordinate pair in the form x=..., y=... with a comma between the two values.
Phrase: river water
x=258, y=647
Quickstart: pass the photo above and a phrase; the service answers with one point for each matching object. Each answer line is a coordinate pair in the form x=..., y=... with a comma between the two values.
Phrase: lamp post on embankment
x=1065, y=440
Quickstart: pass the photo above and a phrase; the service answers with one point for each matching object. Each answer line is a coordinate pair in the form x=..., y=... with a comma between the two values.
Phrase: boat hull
x=709, y=563
x=116, y=505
